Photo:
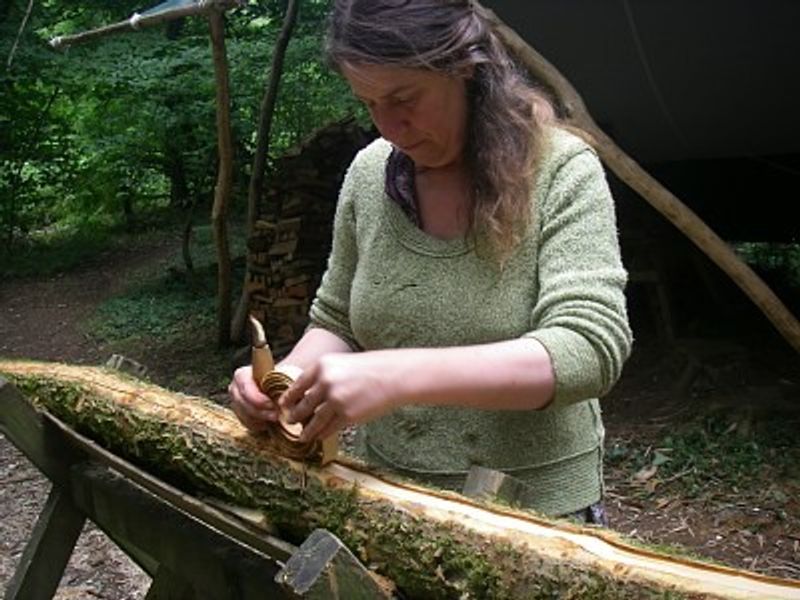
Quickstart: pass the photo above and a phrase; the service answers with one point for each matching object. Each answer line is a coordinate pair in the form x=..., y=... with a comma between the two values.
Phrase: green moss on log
x=425, y=558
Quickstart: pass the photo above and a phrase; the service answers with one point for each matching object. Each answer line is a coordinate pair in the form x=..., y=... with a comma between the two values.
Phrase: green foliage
x=59, y=250
x=160, y=307
x=117, y=128
x=156, y=310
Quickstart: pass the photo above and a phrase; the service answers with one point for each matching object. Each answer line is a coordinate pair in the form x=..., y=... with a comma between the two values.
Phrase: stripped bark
x=576, y=114
x=432, y=544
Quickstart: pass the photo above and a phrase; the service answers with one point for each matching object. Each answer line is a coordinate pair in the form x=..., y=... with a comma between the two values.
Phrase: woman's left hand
x=340, y=390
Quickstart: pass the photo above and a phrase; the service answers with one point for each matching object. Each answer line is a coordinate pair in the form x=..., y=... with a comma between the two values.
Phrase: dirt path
x=42, y=319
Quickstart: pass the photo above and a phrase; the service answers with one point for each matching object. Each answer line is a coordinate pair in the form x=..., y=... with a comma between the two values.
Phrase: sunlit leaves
x=133, y=116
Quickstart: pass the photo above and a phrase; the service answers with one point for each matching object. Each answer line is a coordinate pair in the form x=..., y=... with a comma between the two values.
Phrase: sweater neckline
x=415, y=239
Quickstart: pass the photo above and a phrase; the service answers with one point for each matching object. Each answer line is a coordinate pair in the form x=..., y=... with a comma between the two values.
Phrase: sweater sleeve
x=330, y=309
x=580, y=315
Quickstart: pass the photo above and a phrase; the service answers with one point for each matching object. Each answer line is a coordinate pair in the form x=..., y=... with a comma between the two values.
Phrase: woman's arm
x=342, y=389
x=315, y=343
x=330, y=323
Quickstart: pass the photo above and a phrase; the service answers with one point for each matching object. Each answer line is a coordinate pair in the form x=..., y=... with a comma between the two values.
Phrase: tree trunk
x=432, y=544
x=256, y=189
x=222, y=192
x=655, y=194
x=186, y=239
x=129, y=214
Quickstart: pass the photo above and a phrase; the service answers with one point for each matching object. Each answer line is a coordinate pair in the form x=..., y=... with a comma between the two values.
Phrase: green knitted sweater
x=390, y=285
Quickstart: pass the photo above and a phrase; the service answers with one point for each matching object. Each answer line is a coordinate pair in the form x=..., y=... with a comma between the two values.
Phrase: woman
x=472, y=311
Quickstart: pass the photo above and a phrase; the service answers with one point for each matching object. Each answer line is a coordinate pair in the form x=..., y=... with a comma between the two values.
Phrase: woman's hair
x=506, y=112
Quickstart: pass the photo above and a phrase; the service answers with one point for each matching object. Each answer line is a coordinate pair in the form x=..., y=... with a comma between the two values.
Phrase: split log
x=433, y=544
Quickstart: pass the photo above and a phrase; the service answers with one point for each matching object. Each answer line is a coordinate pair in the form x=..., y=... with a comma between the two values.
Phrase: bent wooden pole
x=432, y=544
x=137, y=21
x=576, y=114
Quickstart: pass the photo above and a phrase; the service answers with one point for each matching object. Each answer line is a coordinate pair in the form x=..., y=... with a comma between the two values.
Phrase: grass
x=707, y=453
x=166, y=318
x=157, y=309
x=57, y=252
x=71, y=244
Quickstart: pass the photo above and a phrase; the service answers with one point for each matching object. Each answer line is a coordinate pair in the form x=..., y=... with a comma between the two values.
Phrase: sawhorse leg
x=48, y=551
x=192, y=551
x=168, y=586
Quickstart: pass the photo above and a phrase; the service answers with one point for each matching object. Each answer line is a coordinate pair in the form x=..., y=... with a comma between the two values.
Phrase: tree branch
x=137, y=21
x=19, y=35
x=224, y=186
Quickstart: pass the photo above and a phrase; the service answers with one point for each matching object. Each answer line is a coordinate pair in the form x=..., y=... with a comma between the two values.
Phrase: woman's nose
x=389, y=122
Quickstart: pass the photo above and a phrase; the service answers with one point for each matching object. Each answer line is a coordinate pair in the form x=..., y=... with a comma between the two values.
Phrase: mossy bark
x=202, y=448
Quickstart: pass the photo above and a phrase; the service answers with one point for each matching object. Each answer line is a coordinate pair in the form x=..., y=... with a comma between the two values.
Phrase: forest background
x=120, y=134
x=108, y=149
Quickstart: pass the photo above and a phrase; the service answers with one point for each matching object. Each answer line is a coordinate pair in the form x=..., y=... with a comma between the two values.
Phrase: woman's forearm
x=509, y=375
x=337, y=388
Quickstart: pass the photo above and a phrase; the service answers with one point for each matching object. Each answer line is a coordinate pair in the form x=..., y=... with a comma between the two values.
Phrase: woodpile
x=292, y=238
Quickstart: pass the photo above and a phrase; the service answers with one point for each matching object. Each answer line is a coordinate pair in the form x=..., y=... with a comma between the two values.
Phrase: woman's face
x=424, y=113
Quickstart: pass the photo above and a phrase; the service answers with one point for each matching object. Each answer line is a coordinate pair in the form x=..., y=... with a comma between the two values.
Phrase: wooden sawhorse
x=191, y=549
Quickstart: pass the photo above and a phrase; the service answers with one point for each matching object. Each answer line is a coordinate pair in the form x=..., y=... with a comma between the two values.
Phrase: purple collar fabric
x=400, y=184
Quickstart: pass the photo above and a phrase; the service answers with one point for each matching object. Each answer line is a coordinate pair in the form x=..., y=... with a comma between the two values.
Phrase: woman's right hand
x=254, y=409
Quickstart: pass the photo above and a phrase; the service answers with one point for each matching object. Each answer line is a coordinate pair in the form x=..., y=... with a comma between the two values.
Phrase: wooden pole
x=136, y=22
x=576, y=114
x=432, y=544
x=224, y=186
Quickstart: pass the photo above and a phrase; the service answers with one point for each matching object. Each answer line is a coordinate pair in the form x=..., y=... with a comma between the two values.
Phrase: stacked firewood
x=288, y=250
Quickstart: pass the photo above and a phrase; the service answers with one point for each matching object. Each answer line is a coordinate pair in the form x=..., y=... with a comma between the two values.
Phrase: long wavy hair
x=506, y=111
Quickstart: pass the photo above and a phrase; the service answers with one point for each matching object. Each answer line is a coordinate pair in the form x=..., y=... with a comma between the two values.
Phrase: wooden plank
x=324, y=569
x=28, y=430
x=48, y=549
x=169, y=586
x=244, y=531
x=217, y=565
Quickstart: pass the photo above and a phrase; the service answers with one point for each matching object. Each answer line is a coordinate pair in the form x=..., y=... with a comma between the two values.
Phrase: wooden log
x=223, y=189
x=432, y=544
x=138, y=21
